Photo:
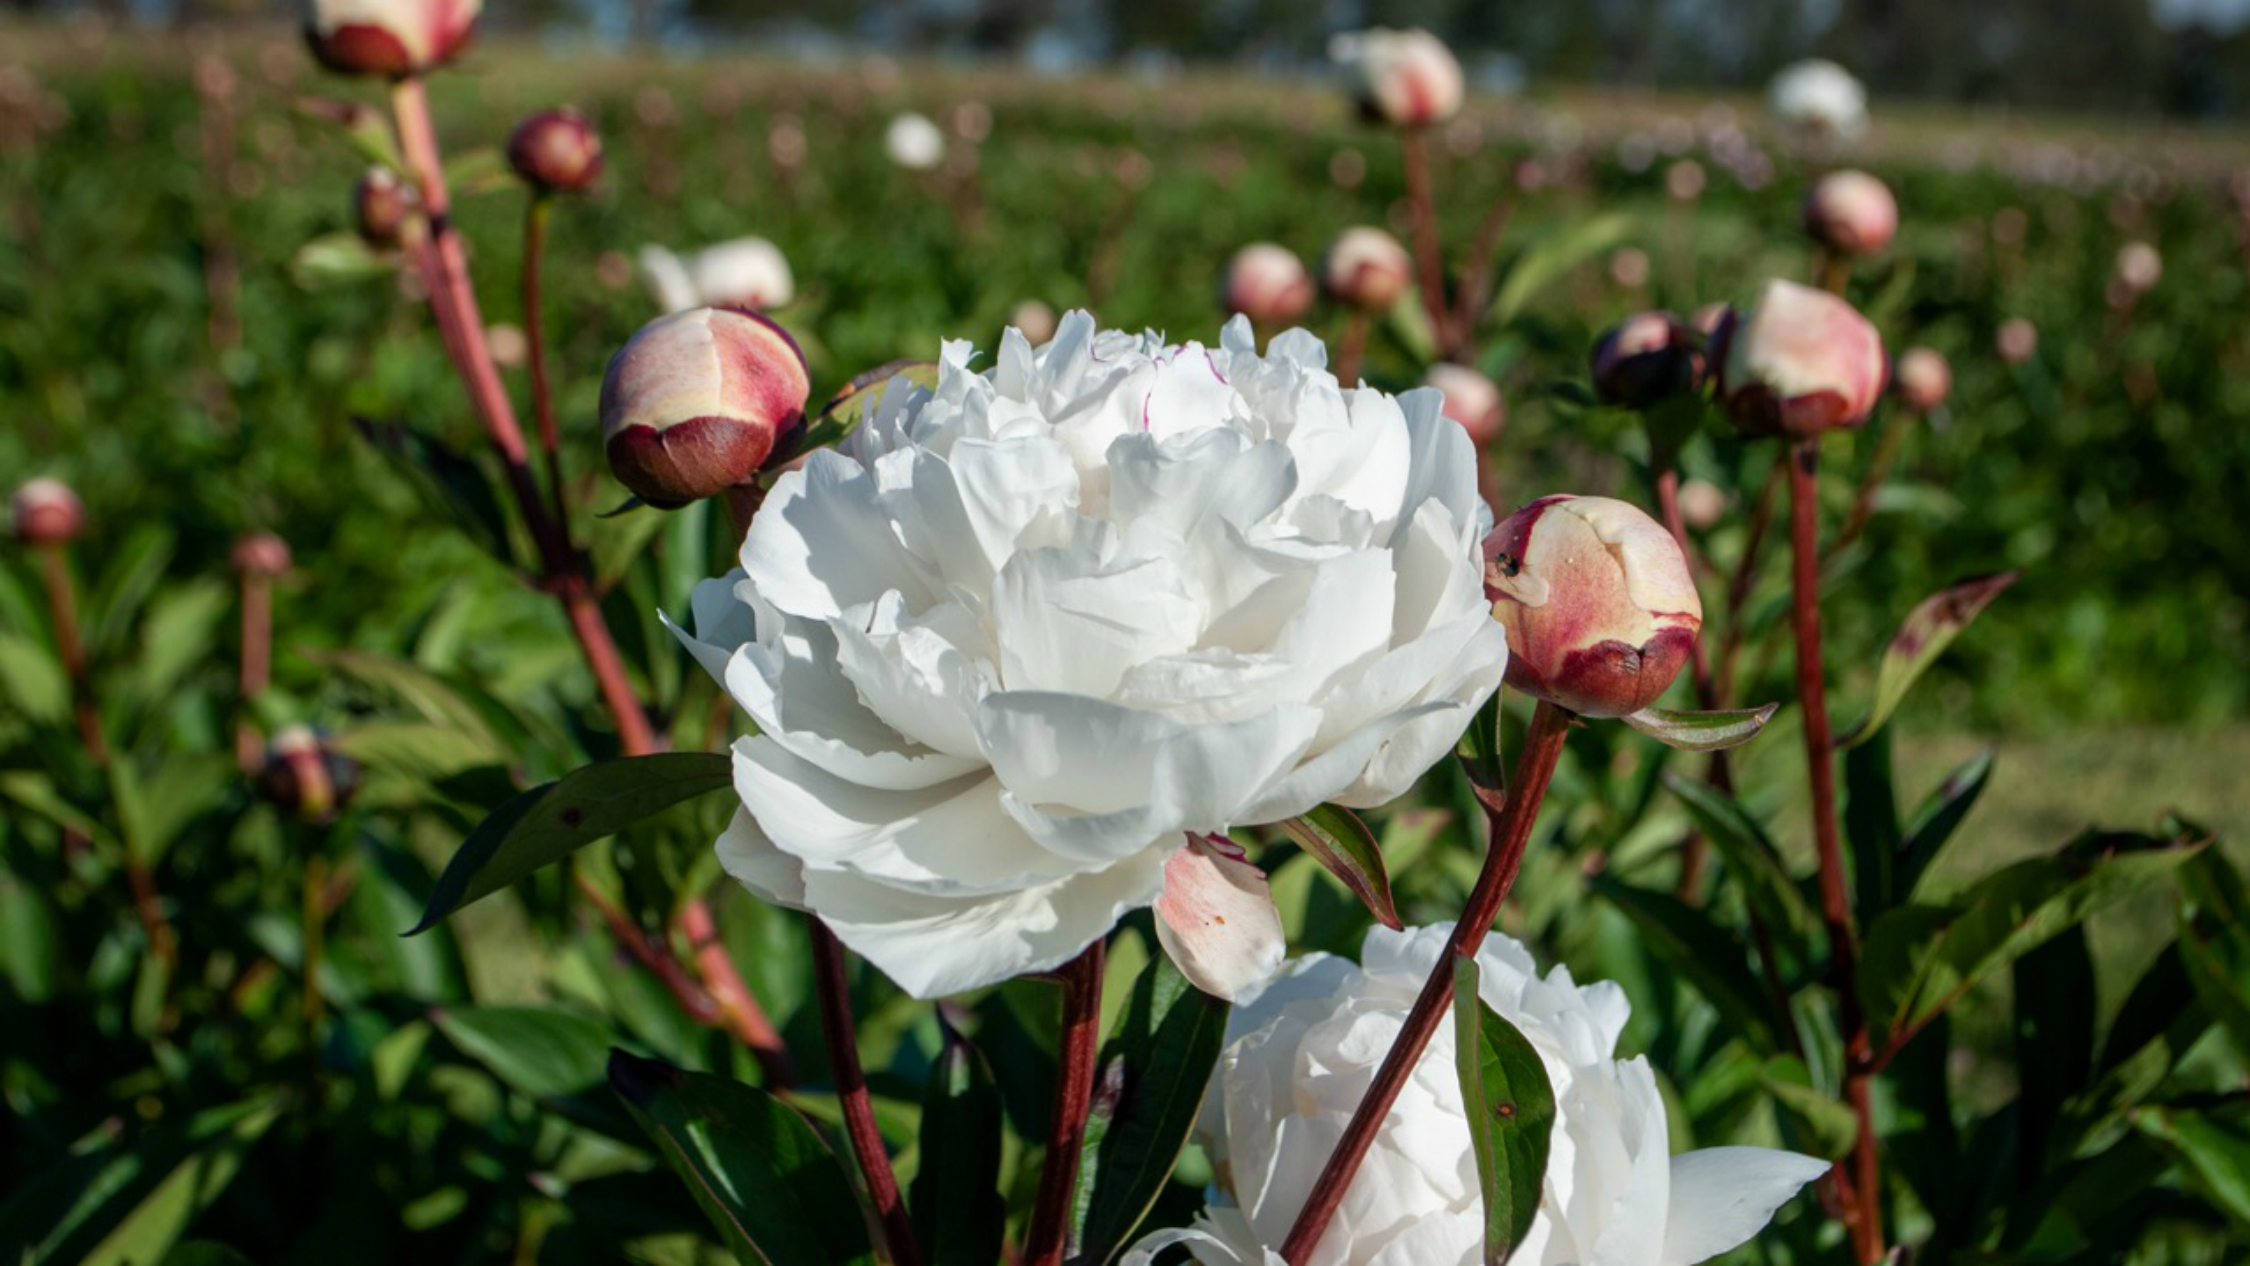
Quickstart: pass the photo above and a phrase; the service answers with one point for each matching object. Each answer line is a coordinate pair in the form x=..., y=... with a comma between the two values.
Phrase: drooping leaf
x=2212, y=1148
x=955, y=1201
x=855, y=404
x=540, y=1051
x=1935, y=822
x=1818, y=1124
x=1336, y=838
x=1148, y=1087
x=1709, y=957
x=1510, y=1109
x=775, y=1192
x=1929, y=628
x=1702, y=731
x=548, y=822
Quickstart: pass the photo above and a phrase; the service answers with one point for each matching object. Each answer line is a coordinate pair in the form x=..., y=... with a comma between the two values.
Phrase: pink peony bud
x=1701, y=504
x=380, y=204
x=1646, y=359
x=47, y=512
x=261, y=554
x=306, y=777
x=1596, y=598
x=2017, y=340
x=556, y=150
x=1471, y=399
x=696, y=402
x=1367, y=268
x=1851, y=213
x=1403, y=78
x=2139, y=267
x=388, y=37
x=1923, y=380
x=1035, y=320
x=1800, y=362
x=1268, y=284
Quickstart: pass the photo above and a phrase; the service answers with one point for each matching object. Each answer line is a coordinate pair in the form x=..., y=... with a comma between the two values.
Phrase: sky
x=2222, y=13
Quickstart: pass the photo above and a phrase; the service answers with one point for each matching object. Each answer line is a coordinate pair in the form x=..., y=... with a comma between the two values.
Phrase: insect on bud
x=380, y=204
x=1367, y=268
x=1268, y=284
x=696, y=401
x=1646, y=359
x=388, y=37
x=1798, y=363
x=1600, y=610
x=1851, y=213
x=47, y=512
x=556, y=150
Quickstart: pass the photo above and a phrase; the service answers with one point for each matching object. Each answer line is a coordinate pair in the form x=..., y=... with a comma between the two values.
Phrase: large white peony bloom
x=1026, y=633
x=1300, y=1055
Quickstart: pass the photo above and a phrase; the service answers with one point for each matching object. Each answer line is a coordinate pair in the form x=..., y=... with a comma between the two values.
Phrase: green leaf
x=1935, y=822
x=775, y=1192
x=449, y=480
x=538, y=1051
x=475, y=172
x=2214, y=942
x=1816, y=1124
x=32, y=680
x=2213, y=1149
x=339, y=259
x=1552, y=256
x=1702, y=731
x=1750, y=855
x=1871, y=831
x=546, y=823
x=1920, y=959
x=1148, y=1089
x=366, y=129
x=1928, y=630
x=958, y=1215
x=1337, y=839
x=1711, y=958
x=1481, y=758
x=1510, y=1109
x=855, y=404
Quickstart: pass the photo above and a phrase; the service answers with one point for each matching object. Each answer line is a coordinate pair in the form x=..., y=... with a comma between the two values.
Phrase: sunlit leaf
x=1509, y=1106
x=955, y=1201
x=1336, y=838
x=1702, y=731
x=1928, y=630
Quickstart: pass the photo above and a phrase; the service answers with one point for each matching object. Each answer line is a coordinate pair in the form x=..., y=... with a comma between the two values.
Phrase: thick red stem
x=1428, y=251
x=534, y=332
x=835, y=990
x=1048, y=1237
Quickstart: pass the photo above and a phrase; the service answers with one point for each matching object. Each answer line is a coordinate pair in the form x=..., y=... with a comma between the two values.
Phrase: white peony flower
x=748, y=272
x=1302, y=1051
x=1820, y=95
x=1026, y=636
x=913, y=142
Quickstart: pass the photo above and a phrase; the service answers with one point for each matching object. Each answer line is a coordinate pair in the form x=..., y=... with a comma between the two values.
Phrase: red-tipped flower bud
x=1851, y=213
x=1800, y=362
x=1268, y=284
x=556, y=150
x=1367, y=268
x=696, y=401
x=380, y=204
x=1596, y=598
x=1646, y=359
x=47, y=512
x=305, y=777
x=388, y=37
x=1923, y=380
x=1403, y=78
x=1471, y=399
x=261, y=554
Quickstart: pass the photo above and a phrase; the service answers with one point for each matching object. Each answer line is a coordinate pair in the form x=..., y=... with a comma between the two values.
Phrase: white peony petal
x=822, y=543
x=750, y=857
x=1722, y=1196
x=1217, y=919
x=1067, y=622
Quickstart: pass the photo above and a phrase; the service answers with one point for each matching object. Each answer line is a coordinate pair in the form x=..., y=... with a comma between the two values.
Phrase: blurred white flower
x=1405, y=78
x=914, y=142
x=2139, y=267
x=1302, y=1051
x=1026, y=642
x=1820, y=95
x=748, y=272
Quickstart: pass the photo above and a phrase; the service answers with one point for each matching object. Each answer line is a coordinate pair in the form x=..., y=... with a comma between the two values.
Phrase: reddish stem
x=257, y=660
x=1745, y=572
x=535, y=216
x=1428, y=251
x=1352, y=348
x=1511, y=831
x=1476, y=278
x=1081, y=978
x=635, y=736
x=1860, y=1171
x=1878, y=469
x=62, y=602
x=737, y=1009
x=834, y=987
x=1718, y=774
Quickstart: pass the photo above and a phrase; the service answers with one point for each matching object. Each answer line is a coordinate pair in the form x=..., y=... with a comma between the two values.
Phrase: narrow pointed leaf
x=2212, y=1148
x=1702, y=731
x=1928, y=630
x=452, y=482
x=1713, y=959
x=855, y=404
x=956, y=1206
x=544, y=824
x=1481, y=758
x=1935, y=822
x=2214, y=944
x=1816, y=1123
x=1750, y=854
x=775, y=1192
x=1337, y=839
x=1510, y=1109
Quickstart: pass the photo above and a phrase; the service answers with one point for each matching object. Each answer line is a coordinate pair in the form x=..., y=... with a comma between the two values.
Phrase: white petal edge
x=1722, y=1196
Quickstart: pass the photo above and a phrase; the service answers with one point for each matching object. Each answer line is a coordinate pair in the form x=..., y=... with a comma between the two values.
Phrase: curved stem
x=1352, y=348
x=1428, y=252
x=536, y=213
x=834, y=987
x=1861, y=1171
x=1511, y=831
x=1048, y=1236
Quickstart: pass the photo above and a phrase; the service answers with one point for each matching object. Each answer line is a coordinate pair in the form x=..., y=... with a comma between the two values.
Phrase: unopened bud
x=1367, y=268
x=556, y=150
x=1923, y=380
x=1646, y=359
x=1598, y=605
x=380, y=204
x=1268, y=284
x=1034, y=320
x=47, y=512
x=1471, y=399
x=696, y=402
x=2139, y=267
x=389, y=37
x=1851, y=213
x=261, y=554
x=1403, y=78
x=1800, y=362
x=305, y=777
x=2017, y=340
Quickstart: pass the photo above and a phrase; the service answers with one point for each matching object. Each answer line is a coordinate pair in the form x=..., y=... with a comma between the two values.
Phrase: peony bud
x=1596, y=598
x=47, y=512
x=261, y=554
x=1646, y=359
x=1702, y=503
x=1268, y=284
x=305, y=777
x=2139, y=267
x=380, y=204
x=1820, y=96
x=1800, y=362
x=556, y=150
x=2017, y=340
x=1035, y=320
x=696, y=402
x=1404, y=78
x=1471, y=399
x=1923, y=380
x=1367, y=268
x=388, y=37
x=1851, y=213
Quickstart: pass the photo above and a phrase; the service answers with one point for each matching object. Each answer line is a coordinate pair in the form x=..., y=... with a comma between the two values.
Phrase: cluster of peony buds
x=46, y=512
x=1367, y=268
x=1800, y=362
x=1851, y=213
x=1268, y=283
x=556, y=151
x=389, y=37
x=696, y=401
